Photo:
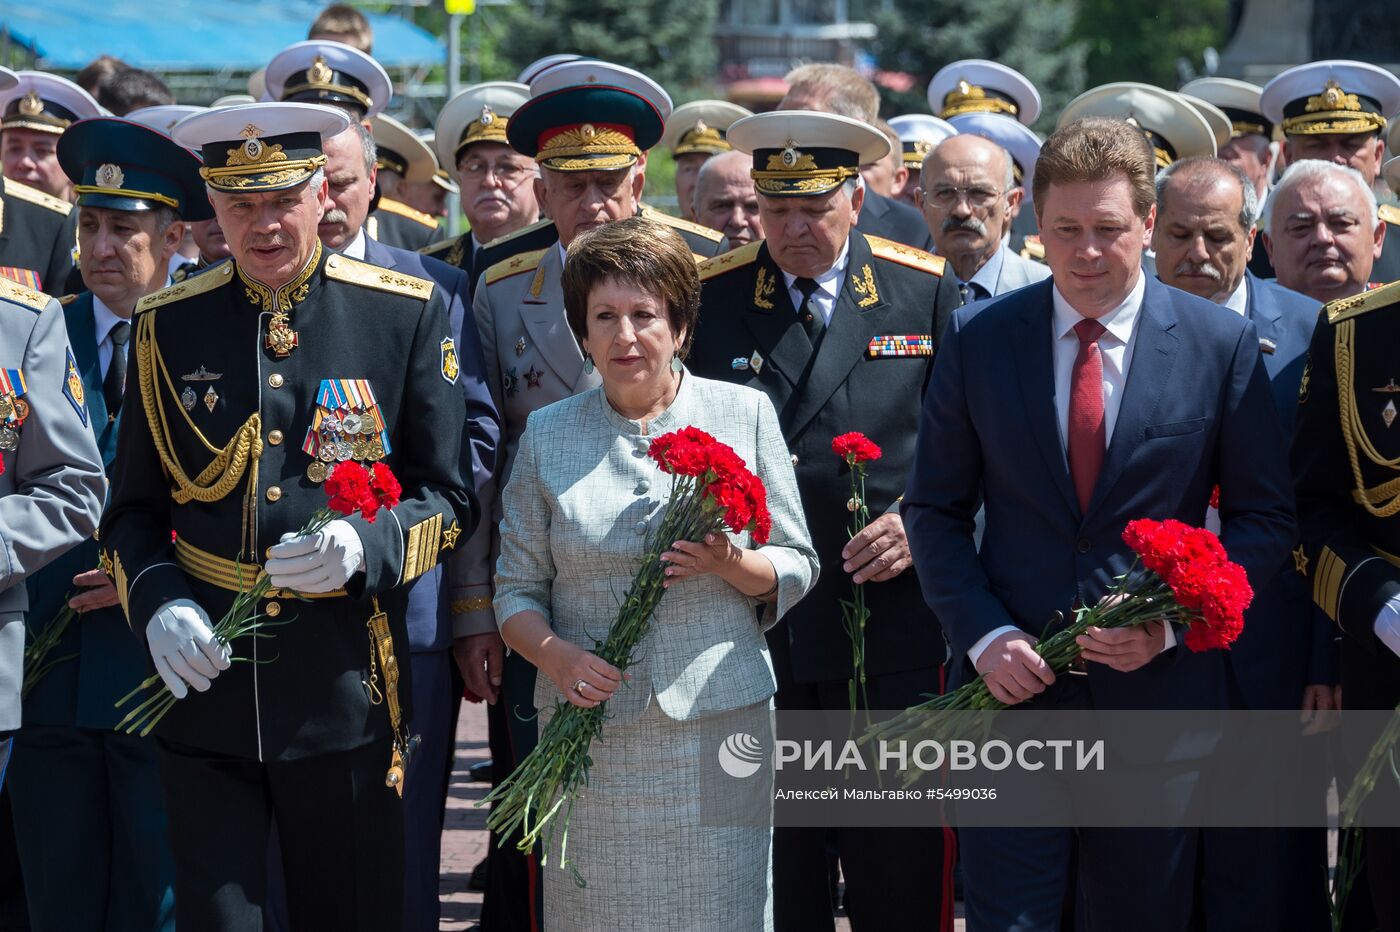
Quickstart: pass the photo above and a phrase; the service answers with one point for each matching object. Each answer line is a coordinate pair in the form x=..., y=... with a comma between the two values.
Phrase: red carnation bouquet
x=857, y=450
x=351, y=488
x=711, y=491
x=1180, y=574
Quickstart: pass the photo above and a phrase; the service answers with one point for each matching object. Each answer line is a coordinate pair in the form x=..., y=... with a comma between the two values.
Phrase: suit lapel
x=542, y=312
x=772, y=320
x=860, y=307
x=1033, y=349
x=82, y=334
x=1262, y=310
x=376, y=253
x=1149, y=372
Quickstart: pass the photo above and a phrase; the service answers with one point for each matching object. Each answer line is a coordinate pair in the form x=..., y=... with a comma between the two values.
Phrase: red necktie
x=1086, y=424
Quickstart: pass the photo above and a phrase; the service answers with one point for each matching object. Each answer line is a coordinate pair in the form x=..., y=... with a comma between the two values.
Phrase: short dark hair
x=1096, y=149
x=131, y=89
x=343, y=23
x=640, y=252
x=101, y=68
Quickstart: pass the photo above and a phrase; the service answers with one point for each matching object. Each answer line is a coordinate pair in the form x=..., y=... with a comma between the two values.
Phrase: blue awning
x=191, y=35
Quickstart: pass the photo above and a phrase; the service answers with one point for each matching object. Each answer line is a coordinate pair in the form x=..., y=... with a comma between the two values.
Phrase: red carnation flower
x=855, y=448
x=348, y=488
x=385, y=485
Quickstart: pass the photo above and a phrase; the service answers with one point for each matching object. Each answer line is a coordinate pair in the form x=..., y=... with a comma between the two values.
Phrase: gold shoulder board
x=520, y=232
x=1342, y=308
x=220, y=274
x=524, y=262
x=14, y=291
x=1389, y=213
x=67, y=299
x=432, y=249
x=345, y=269
x=905, y=255
x=389, y=205
x=679, y=223
x=735, y=258
x=24, y=192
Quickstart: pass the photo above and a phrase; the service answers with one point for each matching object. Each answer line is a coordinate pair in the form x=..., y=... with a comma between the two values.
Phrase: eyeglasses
x=946, y=195
x=507, y=173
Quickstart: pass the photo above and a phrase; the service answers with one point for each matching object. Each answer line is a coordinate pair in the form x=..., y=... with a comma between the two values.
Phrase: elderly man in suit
x=88, y=796
x=435, y=627
x=1203, y=237
x=1070, y=408
x=969, y=194
x=824, y=318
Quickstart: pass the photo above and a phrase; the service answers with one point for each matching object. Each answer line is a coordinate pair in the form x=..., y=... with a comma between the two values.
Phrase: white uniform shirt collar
x=828, y=284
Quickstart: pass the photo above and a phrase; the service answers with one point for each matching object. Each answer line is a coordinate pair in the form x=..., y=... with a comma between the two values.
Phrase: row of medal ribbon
x=13, y=408
x=347, y=425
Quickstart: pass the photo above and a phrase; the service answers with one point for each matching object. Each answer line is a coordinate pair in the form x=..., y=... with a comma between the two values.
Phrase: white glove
x=184, y=648
x=1387, y=625
x=320, y=562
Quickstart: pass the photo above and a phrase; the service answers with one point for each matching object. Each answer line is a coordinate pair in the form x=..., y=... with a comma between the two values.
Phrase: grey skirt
x=636, y=834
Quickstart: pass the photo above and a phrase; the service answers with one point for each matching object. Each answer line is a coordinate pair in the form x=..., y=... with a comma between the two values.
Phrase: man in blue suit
x=350, y=172
x=89, y=818
x=1203, y=237
x=1070, y=408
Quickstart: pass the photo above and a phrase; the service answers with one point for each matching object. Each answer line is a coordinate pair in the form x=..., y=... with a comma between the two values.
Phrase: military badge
x=895, y=345
x=532, y=377
x=864, y=286
x=1388, y=412
x=756, y=362
x=520, y=347
x=738, y=363
x=189, y=397
x=450, y=369
x=73, y=389
x=510, y=382
x=763, y=288
x=13, y=408
x=347, y=425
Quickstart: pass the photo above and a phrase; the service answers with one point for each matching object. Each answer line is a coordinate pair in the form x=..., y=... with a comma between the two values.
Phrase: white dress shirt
x=1239, y=298
x=1116, y=353
x=355, y=249
x=828, y=286
x=103, y=320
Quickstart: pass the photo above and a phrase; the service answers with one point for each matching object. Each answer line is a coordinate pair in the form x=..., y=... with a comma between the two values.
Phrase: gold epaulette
x=389, y=205
x=345, y=269
x=67, y=299
x=524, y=262
x=905, y=255
x=34, y=196
x=1033, y=249
x=520, y=232
x=442, y=245
x=1342, y=308
x=729, y=260
x=14, y=291
x=1389, y=213
x=220, y=274
x=679, y=223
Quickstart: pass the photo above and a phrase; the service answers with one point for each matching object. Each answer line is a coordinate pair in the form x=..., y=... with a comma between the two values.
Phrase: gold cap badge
x=110, y=176
x=31, y=105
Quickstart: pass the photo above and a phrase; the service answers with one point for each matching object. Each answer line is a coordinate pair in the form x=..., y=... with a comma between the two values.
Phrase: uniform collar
x=830, y=280
x=290, y=294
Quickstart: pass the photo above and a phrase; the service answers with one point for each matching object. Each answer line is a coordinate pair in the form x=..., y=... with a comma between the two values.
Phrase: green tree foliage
x=920, y=36
x=1142, y=42
x=668, y=42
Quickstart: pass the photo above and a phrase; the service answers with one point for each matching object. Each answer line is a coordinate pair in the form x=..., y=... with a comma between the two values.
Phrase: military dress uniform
x=399, y=151
x=865, y=370
x=396, y=224
x=239, y=400
x=1344, y=461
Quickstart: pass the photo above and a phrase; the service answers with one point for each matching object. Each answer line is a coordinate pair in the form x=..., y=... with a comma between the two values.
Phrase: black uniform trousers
x=340, y=827
x=100, y=789
x=896, y=878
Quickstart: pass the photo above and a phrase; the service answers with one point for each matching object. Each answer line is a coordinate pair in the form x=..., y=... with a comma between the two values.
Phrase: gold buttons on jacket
x=274, y=493
x=275, y=437
x=275, y=380
x=272, y=609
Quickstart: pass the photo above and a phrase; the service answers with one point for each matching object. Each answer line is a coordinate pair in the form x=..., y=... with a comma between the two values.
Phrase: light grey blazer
x=1018, y=273
x=582, y=501
x=52, y=488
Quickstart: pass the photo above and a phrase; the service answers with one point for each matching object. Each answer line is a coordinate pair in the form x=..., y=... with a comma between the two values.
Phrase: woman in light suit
x=581, y=503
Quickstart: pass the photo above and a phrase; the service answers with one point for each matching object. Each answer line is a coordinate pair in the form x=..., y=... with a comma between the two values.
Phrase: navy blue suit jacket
x=429, y=622
x=1287, y=642
x=1196, y=412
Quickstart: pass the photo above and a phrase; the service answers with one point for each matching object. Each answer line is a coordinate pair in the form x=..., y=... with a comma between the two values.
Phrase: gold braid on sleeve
x=1383, y=500
x=229, y=464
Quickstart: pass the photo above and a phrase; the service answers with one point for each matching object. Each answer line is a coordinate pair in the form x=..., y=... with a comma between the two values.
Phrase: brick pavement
x=464, y=837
